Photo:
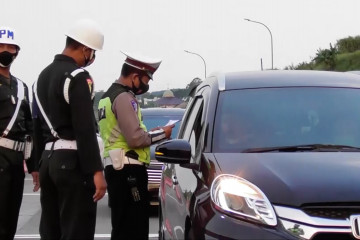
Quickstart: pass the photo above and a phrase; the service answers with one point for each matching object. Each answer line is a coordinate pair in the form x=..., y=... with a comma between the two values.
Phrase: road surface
x=29, y=218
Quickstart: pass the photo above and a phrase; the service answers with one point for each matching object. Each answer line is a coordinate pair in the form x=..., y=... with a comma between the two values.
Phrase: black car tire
x=161, y=233
x=189, y=233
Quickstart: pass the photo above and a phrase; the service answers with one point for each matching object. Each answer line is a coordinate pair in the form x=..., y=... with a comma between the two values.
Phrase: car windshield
x=253, y=120
x=153, y=121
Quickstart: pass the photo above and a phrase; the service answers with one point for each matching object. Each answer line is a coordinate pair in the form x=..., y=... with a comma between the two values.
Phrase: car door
x=183, y=179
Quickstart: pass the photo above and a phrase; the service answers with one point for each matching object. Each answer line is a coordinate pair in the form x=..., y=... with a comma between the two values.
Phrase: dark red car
x=265, y=155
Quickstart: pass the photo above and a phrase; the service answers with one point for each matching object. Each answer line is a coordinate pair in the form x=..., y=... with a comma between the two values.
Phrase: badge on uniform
x=134, y=105
x=90, y=83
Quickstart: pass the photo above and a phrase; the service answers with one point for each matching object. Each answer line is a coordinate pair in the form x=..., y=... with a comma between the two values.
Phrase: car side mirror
x=176, y=151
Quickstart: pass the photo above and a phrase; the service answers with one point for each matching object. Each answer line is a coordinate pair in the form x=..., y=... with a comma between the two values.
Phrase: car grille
x=154, y=172
x=331, y=212
x=319, y=222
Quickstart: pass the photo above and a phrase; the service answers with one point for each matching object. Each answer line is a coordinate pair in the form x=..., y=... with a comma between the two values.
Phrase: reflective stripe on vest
x=113, y=139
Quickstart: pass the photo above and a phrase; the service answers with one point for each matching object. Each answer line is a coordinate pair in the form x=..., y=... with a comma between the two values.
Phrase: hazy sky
x=215, y=29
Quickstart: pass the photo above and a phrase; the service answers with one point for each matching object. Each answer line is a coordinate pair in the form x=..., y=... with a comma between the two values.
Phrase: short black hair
x=71, y=43
x=126, y=70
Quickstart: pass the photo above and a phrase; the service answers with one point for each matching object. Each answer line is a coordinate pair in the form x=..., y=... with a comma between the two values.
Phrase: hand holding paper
x=171, y=122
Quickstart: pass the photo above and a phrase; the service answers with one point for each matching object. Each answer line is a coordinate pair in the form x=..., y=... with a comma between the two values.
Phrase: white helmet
x=8, y=36
x=87, y=32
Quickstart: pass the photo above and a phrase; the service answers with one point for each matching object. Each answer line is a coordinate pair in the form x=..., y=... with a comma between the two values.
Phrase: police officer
x=71, y=170
x=127, y=151
x=15, y=124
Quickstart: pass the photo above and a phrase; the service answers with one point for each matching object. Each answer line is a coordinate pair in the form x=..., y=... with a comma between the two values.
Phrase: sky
x=163, y=29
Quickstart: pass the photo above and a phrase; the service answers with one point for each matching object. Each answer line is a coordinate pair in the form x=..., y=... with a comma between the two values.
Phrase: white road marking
x=31, y=194
x=37, y=236
x=38, y=194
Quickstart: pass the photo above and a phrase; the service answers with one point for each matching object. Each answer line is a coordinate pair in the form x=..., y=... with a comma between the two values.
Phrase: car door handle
x=174, y=180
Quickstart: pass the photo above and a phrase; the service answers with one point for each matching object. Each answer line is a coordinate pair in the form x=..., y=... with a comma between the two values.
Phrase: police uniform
x=67, y=162
x=15, y=124
x=121, y=127
x=11, y=155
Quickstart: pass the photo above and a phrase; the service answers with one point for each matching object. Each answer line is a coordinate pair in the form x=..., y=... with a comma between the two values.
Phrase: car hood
x=294, y=179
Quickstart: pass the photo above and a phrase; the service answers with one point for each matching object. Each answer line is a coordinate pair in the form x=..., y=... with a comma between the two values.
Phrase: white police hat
x=146, y=64
x=8, y=36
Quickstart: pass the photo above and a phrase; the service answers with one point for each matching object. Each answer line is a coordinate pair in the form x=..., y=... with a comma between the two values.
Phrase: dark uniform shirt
x=74, y=121
x=23, y=123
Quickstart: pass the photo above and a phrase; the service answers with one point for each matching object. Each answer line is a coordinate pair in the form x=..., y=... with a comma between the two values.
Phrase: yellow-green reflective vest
x=112, y=138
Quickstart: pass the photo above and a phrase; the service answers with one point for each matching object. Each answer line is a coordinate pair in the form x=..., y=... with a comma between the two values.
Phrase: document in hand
x=171, y=122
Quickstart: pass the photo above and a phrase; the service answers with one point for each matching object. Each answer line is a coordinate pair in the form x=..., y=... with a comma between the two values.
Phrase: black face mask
x=89, y=61
x=6, y=58
x=143, y=88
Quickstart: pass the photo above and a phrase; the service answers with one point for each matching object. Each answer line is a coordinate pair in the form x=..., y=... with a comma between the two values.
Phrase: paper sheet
x=171, y=122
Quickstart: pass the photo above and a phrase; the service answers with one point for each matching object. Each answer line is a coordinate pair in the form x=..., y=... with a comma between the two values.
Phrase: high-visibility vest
x=112, y=138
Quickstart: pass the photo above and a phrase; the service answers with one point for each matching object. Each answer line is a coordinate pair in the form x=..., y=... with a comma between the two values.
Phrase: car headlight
x=237, y=196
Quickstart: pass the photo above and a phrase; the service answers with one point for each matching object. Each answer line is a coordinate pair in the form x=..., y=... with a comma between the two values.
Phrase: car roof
x=162, y=111
x=286, y=78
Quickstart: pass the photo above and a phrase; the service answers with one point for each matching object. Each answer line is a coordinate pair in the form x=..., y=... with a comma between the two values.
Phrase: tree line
x=343, y=56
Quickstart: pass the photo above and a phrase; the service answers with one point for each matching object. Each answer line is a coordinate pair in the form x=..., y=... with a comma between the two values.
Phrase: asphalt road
x=29, y=218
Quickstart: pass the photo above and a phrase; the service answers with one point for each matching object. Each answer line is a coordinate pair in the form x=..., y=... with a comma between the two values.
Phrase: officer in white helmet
x=71, y=170
x=15, y=130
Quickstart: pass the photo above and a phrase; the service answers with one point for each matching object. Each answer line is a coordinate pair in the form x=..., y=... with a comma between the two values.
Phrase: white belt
x=11, y=144
x=107, y=161
x=61, y=144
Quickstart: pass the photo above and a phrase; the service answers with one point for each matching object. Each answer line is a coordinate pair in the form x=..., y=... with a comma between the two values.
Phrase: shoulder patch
x=134, y=105
x=90, y=83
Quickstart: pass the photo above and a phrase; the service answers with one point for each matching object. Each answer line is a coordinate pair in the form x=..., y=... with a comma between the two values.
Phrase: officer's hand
x=156, y=128
x=36, y=182
x=100, y=186
x=168, y=130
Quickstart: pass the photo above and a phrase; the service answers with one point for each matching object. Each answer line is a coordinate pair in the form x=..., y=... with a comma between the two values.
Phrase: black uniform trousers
x=12, y=185
x=68, y=209
x=129, y=219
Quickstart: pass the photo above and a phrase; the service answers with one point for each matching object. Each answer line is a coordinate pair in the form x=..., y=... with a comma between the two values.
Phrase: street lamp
x=199, y=56
x=272, y=56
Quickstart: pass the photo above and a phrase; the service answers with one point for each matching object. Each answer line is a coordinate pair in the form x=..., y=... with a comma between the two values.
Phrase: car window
x=272, y=117
x=193, y=125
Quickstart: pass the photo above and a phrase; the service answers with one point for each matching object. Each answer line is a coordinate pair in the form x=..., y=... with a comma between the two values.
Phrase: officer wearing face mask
x=15, y=131
x=71, y=170
x=127, y=151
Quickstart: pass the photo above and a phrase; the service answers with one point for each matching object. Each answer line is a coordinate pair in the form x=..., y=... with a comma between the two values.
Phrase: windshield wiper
x=305, y=148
